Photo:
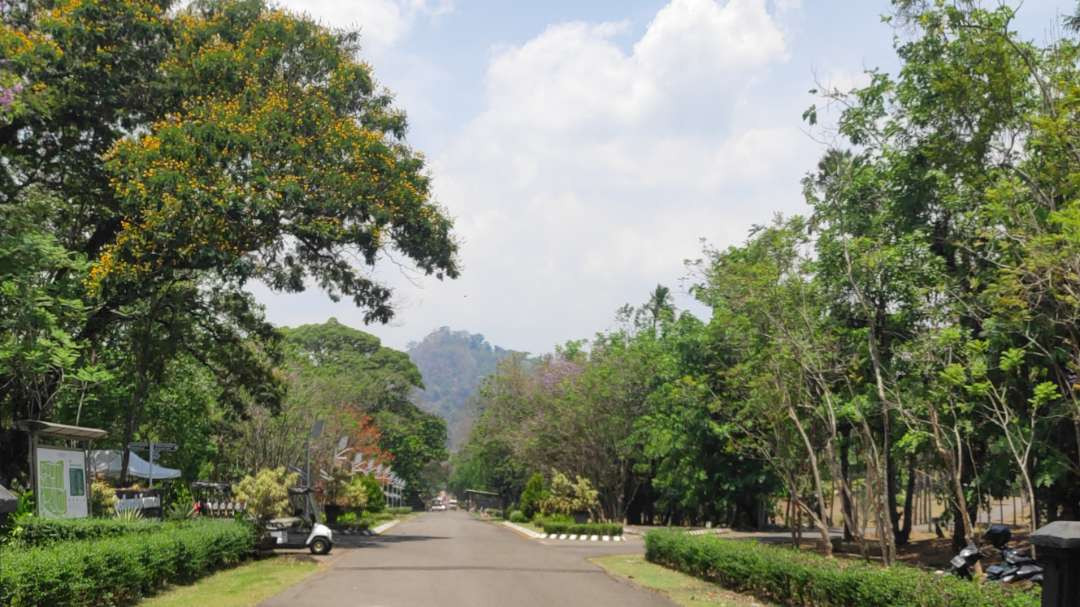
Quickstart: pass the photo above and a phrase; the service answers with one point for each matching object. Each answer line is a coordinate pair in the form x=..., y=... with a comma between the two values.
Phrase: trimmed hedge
x=558, y=528
x=811, y=580
x=517, y=516
x=41, y=531
x=114, y=571
x=399, y=510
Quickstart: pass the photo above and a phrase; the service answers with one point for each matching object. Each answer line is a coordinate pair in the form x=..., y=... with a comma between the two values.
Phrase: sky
x=586, y=149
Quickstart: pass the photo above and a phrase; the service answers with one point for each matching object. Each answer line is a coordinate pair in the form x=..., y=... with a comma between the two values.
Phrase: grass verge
x=242, y=586
x=682, y=589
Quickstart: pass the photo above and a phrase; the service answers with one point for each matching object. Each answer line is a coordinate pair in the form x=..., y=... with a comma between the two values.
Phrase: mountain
x=453, y=364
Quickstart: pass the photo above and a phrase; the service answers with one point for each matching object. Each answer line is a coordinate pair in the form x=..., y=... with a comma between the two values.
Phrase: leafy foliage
x=533, y=495
x=793, y=578
x=35, y=531
x=601, y=529
x=265, y=495
x=566, y=497
x=158, y=158
x=118, y=570
x=102, y=498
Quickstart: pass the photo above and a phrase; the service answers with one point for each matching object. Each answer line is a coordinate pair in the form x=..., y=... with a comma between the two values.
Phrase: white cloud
x=595, y=167
x=381, y=22
x=594, y=170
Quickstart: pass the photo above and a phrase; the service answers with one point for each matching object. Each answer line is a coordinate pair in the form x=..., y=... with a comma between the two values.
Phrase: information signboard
x=61, y=483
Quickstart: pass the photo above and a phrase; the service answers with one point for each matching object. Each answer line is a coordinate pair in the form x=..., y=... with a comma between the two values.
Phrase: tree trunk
x=845, y=479
x=821, y=519
x=904, y=534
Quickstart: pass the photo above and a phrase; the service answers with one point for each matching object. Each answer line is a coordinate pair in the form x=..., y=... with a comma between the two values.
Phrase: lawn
x=241, y=586
x=682, y=589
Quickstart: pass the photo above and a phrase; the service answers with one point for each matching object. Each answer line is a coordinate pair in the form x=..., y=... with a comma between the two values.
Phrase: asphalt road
x=449, y=559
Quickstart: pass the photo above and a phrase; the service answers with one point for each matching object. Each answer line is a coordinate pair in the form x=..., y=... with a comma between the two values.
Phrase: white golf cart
x=303, y=528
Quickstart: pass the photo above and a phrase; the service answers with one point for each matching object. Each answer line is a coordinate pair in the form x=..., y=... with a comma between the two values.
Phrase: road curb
x=571, y=538
x=385, y=526
x=524, y=530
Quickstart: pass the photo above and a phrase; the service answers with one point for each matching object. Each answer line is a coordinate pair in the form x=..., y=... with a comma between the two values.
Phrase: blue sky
x=586, y=148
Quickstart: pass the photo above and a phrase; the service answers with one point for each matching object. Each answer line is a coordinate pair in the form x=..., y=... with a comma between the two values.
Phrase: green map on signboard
x=51, y=488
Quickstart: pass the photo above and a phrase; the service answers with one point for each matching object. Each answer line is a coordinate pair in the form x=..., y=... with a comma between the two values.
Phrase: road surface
x=449, y=559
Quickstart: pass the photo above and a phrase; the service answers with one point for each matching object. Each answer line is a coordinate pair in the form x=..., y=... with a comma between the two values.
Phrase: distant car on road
x=438, y=507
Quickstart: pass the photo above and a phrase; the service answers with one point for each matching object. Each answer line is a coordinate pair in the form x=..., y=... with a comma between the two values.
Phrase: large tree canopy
x=155, y=158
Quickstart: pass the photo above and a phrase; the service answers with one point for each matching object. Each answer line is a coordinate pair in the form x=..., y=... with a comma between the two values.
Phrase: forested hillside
x=453, y=363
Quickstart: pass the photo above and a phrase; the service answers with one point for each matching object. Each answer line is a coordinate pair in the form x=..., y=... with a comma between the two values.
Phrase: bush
x=266, y=495
x=355, y=493
x=400, y=510
x=558, y=528
x=567, y=497
x=102, y=498
x=553, y=518
x=353, y=522
x=517, y=516
x=119, y=570
x=41, y=531
x=533, y=495
x=798, y=578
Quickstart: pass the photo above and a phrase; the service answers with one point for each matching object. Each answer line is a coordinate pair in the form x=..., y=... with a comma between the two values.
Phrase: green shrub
x=517, y=516
x=266, y=494
x=790, y=577
x=40, y=531
x=533, y=495
x=400, y=510
x=571, y=528
x=353, y=522
x=540, y=519
x=566, y=497
x=373, y=519
x=102, y=498
x=112, y=571
x=376, y=500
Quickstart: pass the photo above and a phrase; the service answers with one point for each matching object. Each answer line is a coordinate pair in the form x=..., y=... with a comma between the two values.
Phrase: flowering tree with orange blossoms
x=189, y=150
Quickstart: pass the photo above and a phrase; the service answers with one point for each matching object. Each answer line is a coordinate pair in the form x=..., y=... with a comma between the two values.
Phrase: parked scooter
x=962, y=564
x=1017, y=564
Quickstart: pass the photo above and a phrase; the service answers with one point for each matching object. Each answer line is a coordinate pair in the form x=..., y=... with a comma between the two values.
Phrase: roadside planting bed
x=111, y=563
x=790, y=577
x=589, y=529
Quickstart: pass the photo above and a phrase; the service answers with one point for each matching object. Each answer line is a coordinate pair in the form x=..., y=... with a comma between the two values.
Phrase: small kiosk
x=60, y=474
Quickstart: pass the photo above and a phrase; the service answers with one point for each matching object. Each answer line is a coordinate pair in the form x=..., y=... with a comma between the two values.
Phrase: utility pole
x=316, y=431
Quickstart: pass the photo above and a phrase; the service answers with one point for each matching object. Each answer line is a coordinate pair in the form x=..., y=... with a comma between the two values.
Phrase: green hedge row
x=115, y=571
x=558, y=528
x=399, y=510
x=36, y=531
x=810, y=580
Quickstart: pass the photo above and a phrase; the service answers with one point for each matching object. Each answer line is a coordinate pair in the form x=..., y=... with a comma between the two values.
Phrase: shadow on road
x=378, y=541
x=471, y=568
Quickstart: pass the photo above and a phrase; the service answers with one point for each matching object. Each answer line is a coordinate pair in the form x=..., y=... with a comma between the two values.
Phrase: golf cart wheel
x=320, y=545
